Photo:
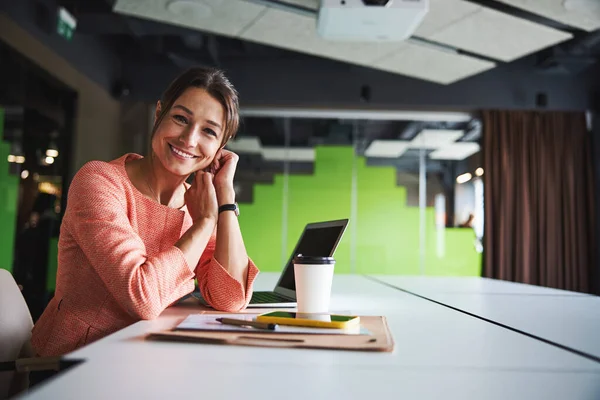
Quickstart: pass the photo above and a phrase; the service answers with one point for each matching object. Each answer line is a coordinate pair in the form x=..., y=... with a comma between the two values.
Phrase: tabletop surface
x=468, y=285
x=440, y=352
x=567, y=318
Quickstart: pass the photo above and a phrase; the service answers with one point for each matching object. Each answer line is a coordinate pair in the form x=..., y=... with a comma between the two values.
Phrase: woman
x=135, y=235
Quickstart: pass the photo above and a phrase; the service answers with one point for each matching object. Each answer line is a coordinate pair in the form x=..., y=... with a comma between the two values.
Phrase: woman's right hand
x=201, y=198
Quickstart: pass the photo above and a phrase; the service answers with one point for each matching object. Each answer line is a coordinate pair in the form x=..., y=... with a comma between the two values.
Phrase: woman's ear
x=157, y=112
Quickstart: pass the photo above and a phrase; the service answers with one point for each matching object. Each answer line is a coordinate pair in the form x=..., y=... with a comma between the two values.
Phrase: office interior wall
x=97, y=125
x=9, y=188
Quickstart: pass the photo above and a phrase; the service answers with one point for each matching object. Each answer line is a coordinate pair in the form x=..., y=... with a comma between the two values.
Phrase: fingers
x=207, y=178
x=199, y=176
x=228, y=155
x=203, y=178
x=223, y=159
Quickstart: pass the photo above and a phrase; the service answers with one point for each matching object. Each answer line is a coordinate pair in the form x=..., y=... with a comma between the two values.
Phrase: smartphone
x=316, y=320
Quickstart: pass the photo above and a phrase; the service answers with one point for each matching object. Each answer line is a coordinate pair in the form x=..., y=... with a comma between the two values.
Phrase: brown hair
x=216, y=84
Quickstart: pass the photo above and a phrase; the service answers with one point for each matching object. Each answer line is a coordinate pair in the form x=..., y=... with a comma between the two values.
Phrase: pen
x=242, y=322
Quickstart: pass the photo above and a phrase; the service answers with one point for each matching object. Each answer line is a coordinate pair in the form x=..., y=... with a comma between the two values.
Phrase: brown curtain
x=539, y=203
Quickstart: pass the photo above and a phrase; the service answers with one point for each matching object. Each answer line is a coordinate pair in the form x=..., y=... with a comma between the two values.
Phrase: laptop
x=317, y=239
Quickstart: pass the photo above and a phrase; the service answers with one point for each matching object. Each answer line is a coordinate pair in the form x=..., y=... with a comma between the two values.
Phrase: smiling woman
x=135, y=235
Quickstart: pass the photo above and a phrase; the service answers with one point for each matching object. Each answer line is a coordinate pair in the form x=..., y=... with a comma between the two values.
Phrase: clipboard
x=380, y=340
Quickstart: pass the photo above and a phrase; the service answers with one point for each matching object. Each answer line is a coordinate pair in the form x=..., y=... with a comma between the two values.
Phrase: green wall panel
x=261, y=225
x=52, y=264
x=387, y=231
x=324, y=196
x=9, y=189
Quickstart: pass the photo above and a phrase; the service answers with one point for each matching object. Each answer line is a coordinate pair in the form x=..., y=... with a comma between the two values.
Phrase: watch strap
x=229, y=207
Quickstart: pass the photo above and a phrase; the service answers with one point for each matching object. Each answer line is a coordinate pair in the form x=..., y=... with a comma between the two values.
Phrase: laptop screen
x=318, y=241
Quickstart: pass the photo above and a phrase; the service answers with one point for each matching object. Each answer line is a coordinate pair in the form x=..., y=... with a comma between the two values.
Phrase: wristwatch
x=230, y=207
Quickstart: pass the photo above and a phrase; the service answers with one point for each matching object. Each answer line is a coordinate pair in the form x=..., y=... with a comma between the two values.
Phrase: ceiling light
x=479, y=171
x=455, y=151
x=52, y=153
x=49, y=160
x=24, y=174
x=386, y=148
x=190, y=9
x=19, y=159
x=248, y=144
x=11, y=158
x=435, y=138
x=290, y=154
x=463, y=178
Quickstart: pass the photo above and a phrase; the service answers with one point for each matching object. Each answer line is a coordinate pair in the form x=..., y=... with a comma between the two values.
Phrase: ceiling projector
x=370, y=20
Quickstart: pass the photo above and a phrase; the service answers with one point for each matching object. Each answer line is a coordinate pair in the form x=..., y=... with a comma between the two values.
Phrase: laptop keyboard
x=268, y=297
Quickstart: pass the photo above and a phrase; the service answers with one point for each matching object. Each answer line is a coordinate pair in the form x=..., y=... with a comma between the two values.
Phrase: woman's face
x=190, y=134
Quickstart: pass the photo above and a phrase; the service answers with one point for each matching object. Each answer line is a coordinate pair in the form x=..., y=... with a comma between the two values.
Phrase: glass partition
x=395, y=179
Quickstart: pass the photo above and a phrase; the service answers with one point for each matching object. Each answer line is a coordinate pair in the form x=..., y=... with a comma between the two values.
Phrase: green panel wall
x=52, y=264
x=9, y=189
x=261, y=225
x=387, y=230
x=323, y=196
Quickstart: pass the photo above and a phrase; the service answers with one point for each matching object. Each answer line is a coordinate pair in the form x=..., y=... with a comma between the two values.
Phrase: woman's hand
x=201, y=198
x=225, y=164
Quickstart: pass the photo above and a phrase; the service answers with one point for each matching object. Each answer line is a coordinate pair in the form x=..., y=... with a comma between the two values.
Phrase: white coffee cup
x=313, y=277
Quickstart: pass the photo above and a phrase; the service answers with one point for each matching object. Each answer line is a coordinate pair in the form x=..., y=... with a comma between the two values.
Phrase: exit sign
x=66, y=24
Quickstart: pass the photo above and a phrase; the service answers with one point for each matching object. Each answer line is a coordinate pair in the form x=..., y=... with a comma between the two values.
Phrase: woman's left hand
x=225, y=164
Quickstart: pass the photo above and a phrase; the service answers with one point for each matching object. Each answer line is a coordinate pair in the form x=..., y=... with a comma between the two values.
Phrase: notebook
x=317, y=239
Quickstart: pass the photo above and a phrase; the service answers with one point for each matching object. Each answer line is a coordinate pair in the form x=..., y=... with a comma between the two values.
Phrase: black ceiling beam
x=101, y=24
x=77, y=7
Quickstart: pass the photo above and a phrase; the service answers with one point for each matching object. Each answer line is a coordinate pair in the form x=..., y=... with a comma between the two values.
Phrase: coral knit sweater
x=117, y=262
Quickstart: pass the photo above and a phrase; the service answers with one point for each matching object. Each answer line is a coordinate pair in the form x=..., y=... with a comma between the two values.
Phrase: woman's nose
x=190, y=136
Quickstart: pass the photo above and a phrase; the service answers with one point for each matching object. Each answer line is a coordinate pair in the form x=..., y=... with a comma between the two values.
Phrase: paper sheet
x=208, y=322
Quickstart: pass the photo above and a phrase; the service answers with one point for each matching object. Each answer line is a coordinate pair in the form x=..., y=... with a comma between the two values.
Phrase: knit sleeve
x=97, y=219
x=218, y=288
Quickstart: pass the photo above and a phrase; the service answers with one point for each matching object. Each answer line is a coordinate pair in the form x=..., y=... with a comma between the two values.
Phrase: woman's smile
x=181, y=154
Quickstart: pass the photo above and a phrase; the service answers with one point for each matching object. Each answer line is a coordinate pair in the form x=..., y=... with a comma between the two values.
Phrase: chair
x=16, y=354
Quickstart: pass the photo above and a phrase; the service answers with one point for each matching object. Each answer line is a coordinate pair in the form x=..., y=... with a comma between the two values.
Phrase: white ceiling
x=584, y=14
x=228, y=16
x=454, y=23
x=312, y=4
x=297, y=32
x=431, y=64
x=497, y=35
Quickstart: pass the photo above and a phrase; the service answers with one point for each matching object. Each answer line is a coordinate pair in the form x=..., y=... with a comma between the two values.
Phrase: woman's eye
x=210, y=132
x=180, y=118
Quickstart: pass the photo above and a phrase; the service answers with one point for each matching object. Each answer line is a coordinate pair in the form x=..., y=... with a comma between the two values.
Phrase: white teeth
x=181, y=153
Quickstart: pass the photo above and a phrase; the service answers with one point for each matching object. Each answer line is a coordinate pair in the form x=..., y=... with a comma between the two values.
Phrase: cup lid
x=302, y=259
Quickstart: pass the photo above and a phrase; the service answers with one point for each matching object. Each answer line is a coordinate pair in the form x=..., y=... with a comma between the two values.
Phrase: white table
x=428, y=285
x=440, y=353
x=567, y=318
